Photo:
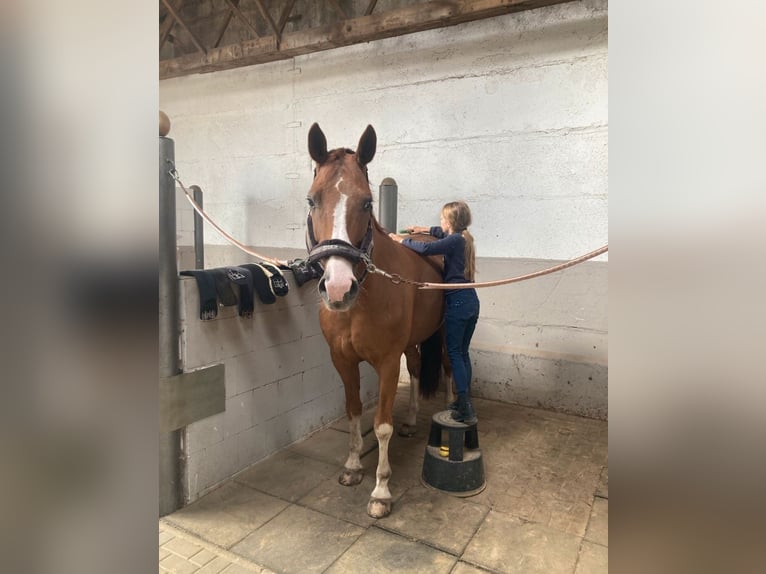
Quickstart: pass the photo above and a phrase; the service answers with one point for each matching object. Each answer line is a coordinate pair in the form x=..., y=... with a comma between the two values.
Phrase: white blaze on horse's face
x=339, y=279
x=341, y=207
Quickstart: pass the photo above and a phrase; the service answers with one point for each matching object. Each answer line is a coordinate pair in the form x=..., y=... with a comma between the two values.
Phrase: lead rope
x=553, y=269
x=174, y=174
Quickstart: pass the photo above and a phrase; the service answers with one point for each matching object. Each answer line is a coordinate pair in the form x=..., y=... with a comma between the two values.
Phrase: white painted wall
x=280, y=382
x=508, y=113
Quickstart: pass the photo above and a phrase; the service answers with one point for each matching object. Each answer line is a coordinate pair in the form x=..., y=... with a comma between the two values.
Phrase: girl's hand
x=395, y=237
x=418, y=229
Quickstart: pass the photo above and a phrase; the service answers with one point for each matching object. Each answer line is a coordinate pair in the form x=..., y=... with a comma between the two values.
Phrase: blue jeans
x=461, y=314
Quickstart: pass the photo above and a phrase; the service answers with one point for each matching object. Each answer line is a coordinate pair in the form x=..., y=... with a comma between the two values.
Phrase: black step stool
x=461, y=472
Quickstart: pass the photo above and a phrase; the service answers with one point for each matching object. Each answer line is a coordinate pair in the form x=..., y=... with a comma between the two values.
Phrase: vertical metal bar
x=170, y=443
x=388, y=201
x=199, y=238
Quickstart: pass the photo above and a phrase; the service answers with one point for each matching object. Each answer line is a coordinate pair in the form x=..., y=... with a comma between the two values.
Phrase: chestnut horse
x=366, y=317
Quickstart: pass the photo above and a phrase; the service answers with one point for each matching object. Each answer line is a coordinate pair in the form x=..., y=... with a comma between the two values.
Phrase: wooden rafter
x=226, y=22
x=238, y=13
x=337, y=7
x=283, y=18
x=268, y=18
x=183, y=25
x=406, y=19
x=167, y=24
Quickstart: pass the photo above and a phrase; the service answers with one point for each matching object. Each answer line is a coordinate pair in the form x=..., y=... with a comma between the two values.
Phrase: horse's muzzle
x=338, y=295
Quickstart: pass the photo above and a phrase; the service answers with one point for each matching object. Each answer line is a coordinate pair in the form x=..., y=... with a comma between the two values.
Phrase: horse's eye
x=311, y=202
x=367, y=205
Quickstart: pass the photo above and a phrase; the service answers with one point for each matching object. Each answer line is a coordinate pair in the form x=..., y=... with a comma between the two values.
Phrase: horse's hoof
x=350, y=477
x=378, y=508
x=407, y=430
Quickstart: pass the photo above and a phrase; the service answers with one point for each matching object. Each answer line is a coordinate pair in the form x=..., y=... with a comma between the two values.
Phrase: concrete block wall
x=543, y=342
x=508, y=113
x=280, y=382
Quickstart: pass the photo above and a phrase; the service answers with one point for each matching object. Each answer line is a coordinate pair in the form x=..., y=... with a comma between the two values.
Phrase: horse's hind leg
x=352, y=471
x=380, y=499
x=449, y=382
x=413, y=368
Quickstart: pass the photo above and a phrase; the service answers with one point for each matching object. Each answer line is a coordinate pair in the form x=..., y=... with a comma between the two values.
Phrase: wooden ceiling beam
x=167, y=24
x=226, y=22
x=283, y=18
x=183, y=25
x=395, y=22
x=337, y=7
x=268, y=18
x=238, y=13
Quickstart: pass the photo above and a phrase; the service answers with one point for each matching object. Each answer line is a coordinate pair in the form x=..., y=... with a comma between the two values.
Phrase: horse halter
x=339, y=248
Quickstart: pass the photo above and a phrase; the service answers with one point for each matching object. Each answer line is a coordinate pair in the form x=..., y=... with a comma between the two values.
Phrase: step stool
x=460, y=471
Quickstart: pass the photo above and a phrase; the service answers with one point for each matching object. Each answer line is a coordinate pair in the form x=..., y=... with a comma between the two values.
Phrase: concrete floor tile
x=406, y=468
x=542, y=471
x=379, y=552
x=465, y=568
x=227, y=514
x=442, y=520
x=507, y=544
x=184, y=548
x=594, y=559
x=202, y=557
x=236, y=569
x=598, y=526
x=165, y=536
x=348, y=503
x=215, y=566
x=603, y=484
x=178, y=565
x=299, y=541
x=331, y=446
x=287, y=475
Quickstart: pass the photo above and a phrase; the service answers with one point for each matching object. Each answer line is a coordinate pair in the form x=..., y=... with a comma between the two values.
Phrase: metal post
x=170, y=442
x=387, y=199
x=199, y=240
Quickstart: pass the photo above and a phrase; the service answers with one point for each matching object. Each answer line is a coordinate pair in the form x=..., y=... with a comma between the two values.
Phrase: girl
x=462, y=305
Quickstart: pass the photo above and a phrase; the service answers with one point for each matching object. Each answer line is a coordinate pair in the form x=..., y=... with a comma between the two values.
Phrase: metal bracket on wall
x=188, y=397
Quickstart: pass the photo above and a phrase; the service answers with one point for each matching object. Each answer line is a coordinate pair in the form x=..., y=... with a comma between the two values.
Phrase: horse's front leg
x=349, y=372
x=380, y=499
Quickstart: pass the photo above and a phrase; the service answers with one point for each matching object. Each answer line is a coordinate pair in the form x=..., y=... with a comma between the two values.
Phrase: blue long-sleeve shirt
x=452, y=246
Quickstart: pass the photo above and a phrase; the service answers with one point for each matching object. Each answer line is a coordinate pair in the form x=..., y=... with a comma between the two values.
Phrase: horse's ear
x=317, y=144
x=365, y=151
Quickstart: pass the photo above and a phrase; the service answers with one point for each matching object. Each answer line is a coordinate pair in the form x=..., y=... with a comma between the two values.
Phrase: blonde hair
x=458, y=215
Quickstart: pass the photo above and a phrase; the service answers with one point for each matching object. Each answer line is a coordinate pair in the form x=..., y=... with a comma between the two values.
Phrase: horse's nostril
x=353, y=290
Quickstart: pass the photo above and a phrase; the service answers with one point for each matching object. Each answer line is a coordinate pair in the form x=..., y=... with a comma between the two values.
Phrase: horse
x=364, y=316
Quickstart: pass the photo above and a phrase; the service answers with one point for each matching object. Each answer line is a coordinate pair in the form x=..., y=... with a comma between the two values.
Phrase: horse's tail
x=430, y=364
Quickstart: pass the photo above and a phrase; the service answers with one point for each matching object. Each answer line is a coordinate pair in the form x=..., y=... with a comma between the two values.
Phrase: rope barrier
x=393, y=277
x=174, y=174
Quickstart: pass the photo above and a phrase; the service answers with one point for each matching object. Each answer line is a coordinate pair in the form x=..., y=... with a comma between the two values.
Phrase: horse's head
x=340, y=215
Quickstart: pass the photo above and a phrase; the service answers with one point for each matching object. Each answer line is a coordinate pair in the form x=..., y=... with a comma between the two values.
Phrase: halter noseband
x=339, y=248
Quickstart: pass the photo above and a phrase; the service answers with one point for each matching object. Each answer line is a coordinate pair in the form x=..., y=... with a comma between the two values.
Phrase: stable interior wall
x=280, y=382
x=508, y=113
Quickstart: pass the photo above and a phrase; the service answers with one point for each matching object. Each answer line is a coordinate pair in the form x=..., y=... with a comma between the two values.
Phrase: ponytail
x=459, y=216
x=470, y=256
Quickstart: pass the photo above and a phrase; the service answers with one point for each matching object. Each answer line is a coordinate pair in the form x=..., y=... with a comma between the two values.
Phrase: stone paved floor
x=544, y=510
